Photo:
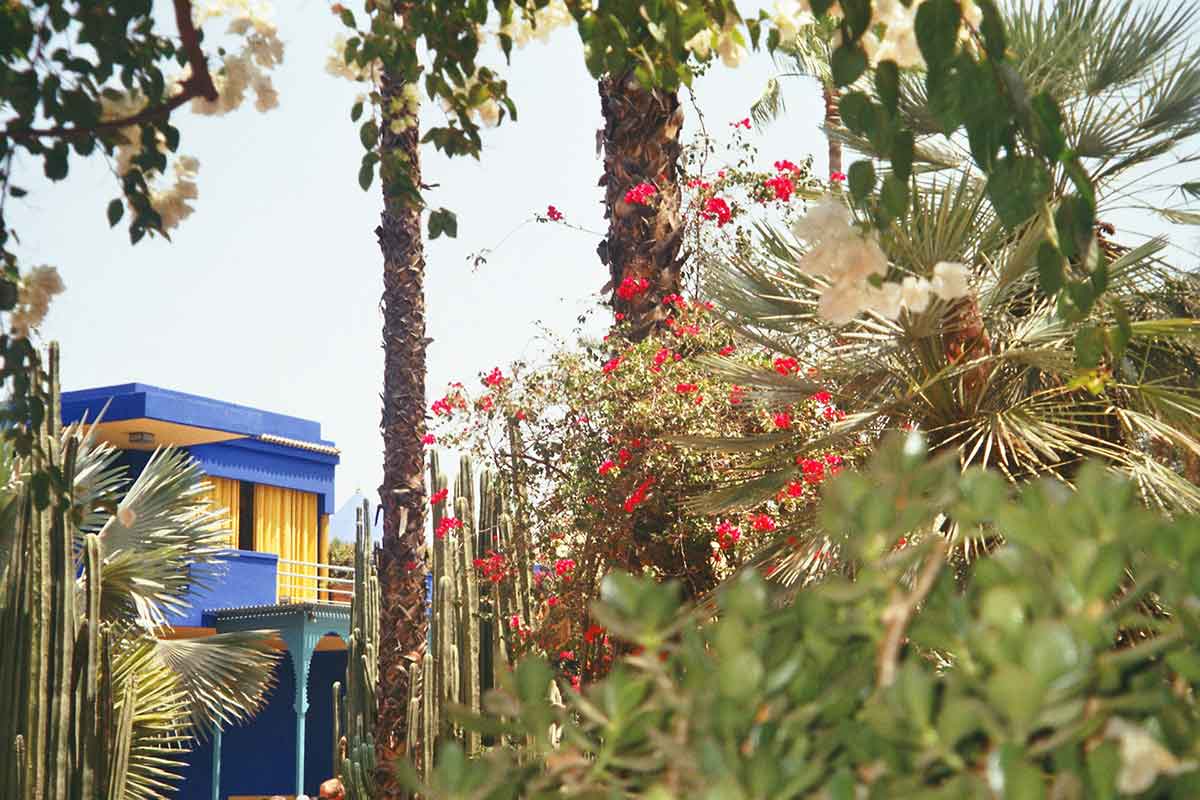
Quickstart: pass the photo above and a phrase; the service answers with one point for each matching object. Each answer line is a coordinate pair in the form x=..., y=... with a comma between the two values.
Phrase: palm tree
x=149, y=533
x=641, y=145
x=993, y=377
x=807, y=55
x=403, y=622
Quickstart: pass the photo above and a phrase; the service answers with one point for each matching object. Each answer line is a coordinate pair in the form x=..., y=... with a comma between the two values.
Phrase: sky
x=268, y=295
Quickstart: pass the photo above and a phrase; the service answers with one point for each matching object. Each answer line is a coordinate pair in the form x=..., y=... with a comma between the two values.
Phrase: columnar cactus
x=61, y=741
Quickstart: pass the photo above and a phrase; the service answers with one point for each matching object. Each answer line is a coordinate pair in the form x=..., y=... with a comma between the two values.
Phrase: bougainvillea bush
x=1047, y=674
x=586, y=442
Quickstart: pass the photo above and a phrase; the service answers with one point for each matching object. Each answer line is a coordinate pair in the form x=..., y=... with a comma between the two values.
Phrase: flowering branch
x=198, y=84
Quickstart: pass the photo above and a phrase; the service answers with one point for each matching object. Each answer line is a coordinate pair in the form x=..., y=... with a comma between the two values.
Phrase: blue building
x=275, y=475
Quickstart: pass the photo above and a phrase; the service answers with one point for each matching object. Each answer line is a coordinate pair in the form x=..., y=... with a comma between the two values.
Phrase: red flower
x=736, y=395
x=782, y=186
x=837, y=177
x=794, y=489
x=835, y=463
x=438, y=497
x=521, y=414
x=620, y=317
x=716, y=208
x=640, y=194
x=611, y=365
x=728, y=534
x=441, y=407
x=697, y=183
x=494, y=378
x=623, y=456
x=822, y=398
x=428, y=439
x=593, y=632
x=553, y=213
x=763, y=522
x=485, y=403
x=563, y=566
x=786, y=366
x=660, y=357
x=638, y=496
x=607, y=466
x=786, y=166
x=742, y=123
x=814, y=471
x=727, y=350
x=552, y=600
x=631, y=287
x=686, y=388
x=566, y=655
x=446, y=525
x=783, y=420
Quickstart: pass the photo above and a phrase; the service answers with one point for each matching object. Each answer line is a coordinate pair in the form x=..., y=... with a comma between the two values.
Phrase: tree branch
x=198, y=84
x=900, y=611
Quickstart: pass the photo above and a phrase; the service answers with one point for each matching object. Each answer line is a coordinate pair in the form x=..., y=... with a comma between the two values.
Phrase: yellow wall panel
x=226, y=493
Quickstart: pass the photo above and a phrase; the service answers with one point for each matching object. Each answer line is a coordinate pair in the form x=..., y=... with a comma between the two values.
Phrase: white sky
x=269, y=293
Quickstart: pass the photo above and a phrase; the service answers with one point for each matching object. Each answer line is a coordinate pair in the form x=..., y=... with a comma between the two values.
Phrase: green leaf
x=1048, y=126
x=937, y=31
x=995, y=41
x=861, y=178
x=366, y=173
x=116, y=209
x=348, y=18
x=857, y=111
x=55, y=161
x=887, y=85
x=1075, y=220
x=1050, y=268
x=1089, y=347
x=849, y=62
x=356, y=111
x=1016, y=187
x=443, y=220
x=894, y=196
x=902, y=154
x=368, y=134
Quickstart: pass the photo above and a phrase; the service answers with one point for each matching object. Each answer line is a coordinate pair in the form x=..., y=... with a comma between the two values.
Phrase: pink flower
x=607, y=467
x=786, y=166
x=716, y=208
x=494, y=378
x=742, y=123
x=814, y=471
x=783, y=420
x=563, y=566
x=446, y=525
x=438, y=497
x=428, y=439
x=837, y=177
x=631, y=287
x=553, y=213
x=822, y=397
x=763, y=522
x=727, y=350
x=782, y=186
x=786, y=366
x=638, y=496
x=736, y=395
x=686, y=388
x=611, y=365
x=640, y=194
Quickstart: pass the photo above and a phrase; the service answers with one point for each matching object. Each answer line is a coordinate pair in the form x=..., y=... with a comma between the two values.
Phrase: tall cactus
x=59, y=737
x=356, y=750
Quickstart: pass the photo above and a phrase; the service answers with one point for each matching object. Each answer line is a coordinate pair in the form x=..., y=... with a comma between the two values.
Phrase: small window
x=246, y=516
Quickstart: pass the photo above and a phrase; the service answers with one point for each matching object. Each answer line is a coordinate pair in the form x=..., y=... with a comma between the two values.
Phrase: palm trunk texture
x=641, y=145
x=403, y=622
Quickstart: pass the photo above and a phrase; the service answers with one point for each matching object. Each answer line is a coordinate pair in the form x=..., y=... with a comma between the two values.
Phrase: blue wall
x=244, y=578
x=259, y=758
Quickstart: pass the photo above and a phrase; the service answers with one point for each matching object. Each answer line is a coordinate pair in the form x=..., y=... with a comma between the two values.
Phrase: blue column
x=216, y=766
x=300, y=644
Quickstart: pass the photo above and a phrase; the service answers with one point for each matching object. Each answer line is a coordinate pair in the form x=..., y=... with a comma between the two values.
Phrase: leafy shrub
x=1064, y=666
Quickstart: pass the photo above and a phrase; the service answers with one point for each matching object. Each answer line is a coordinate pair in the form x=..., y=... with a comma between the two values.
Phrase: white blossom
x=730, y=48
x=972, y=13
x=701, y=44
x=790, y=16
x=826, y=219
x=886, y=301
x=899, y=42
x=914, y=293
x=949, y=280
x=489, y=112
x=842, y=301
x=34, y=293
x=1143, y=758
x=172, y=205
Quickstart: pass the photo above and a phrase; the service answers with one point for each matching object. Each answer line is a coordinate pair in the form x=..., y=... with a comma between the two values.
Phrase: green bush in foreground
x=1065, y=666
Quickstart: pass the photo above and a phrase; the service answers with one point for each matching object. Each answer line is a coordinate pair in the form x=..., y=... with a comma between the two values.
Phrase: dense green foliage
x=1065, y=666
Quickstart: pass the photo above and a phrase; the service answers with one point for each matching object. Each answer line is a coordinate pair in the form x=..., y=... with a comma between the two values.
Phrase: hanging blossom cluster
x=537, y=23
x=239, y=72
x=34, y=293
x=849, y=258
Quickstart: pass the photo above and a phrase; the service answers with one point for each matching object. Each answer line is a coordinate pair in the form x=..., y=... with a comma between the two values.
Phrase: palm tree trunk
x=403, y=623
x=833, y=118
x=641, y=145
